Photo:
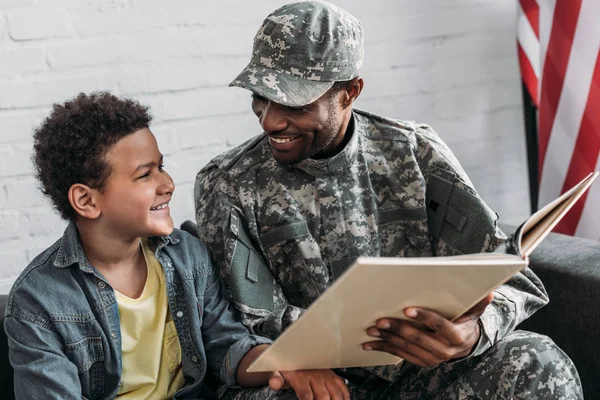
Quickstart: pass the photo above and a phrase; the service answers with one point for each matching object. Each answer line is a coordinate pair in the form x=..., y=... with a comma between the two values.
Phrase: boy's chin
x=164, y=229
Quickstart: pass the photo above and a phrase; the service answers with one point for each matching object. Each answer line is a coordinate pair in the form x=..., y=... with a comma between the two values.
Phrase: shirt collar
x=71, y=252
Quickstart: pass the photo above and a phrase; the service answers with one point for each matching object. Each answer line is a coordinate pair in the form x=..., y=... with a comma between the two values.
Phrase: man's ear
x=83, y=199
x=352, y=91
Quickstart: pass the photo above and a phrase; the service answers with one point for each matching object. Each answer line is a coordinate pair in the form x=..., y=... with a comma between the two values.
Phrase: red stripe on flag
x=532, y=12
x=585, y=154
x=528, y=75
x=564, y=23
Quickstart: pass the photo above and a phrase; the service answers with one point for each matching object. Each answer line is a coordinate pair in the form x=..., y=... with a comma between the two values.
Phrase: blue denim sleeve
x=226, y=339
x=42, y=370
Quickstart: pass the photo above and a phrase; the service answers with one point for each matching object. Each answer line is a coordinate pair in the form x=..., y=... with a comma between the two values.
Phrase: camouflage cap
x=300, y=50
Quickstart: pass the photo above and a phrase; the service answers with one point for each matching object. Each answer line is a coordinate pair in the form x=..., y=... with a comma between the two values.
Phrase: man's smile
x=283, y=142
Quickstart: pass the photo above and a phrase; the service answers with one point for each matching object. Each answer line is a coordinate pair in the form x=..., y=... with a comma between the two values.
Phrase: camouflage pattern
x=522, y=365
x=264, y=393
x=395, y=190
x=300, y=50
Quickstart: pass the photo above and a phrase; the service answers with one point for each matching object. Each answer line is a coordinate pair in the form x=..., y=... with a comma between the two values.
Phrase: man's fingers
x=421, y=360
x=418, y=342
x=402, y=346
x=440, y=326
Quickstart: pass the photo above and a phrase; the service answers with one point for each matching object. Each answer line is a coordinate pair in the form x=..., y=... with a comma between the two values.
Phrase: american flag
x=559, y=56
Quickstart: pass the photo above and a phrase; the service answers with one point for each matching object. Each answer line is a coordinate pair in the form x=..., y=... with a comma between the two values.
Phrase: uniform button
x=179, y=314
x=113, y=335
x=194, y=359
x=101, y=285
x=234, y=228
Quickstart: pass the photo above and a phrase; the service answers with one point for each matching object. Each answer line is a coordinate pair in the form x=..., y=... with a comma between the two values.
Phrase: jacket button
x=101, y=285
x=194, y=359
x=113, y=335
x=179, y=314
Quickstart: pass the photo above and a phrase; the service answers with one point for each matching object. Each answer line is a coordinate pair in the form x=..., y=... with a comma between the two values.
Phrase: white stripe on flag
x=546, y=17
x=529, y=42
x=589, y=222
x=573, y=100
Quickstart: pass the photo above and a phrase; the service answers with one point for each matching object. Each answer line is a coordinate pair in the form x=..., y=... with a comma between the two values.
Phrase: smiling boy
x=124, y=305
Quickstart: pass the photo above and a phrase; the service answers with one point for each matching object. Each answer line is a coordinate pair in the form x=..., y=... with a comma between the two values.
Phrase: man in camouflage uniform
x=285, y=214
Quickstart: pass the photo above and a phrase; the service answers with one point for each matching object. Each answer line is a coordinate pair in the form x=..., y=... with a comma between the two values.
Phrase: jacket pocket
x=391, y=224
x=88, y=355
x=85, y=352
x=297, y=262
x=249, y=279
x=457, y=216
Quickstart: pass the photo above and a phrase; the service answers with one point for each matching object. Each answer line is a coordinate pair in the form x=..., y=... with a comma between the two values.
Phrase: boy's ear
x=352, y=91
x=83, y=201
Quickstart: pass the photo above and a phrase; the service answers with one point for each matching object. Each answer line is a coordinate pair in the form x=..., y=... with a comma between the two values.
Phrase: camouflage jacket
x=282, y=234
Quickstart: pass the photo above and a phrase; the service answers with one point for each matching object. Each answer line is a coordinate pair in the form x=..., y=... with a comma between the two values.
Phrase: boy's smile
x=135, y=199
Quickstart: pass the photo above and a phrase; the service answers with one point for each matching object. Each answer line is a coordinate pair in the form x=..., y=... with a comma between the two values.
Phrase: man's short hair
x=71, y=144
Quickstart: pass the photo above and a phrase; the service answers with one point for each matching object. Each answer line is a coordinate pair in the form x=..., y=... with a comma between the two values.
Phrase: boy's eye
x=161, y=167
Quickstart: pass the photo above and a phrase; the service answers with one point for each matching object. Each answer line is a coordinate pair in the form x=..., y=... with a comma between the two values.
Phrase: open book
x=331, y=332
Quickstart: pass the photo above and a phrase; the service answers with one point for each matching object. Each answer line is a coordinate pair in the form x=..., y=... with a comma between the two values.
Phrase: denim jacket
x=63, y=330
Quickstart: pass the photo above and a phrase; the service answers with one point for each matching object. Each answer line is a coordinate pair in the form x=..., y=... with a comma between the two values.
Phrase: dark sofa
x=570, y=270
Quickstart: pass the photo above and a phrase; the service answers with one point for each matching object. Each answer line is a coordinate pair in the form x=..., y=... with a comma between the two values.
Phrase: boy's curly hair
x=70, y=145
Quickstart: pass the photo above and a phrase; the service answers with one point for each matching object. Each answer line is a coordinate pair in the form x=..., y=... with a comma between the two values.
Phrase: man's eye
x=161, y=167
x=298, y=109
x=257, y=97
x=147, y=174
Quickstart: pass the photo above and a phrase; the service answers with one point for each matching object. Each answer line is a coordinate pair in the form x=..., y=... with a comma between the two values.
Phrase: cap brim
x=280, y=87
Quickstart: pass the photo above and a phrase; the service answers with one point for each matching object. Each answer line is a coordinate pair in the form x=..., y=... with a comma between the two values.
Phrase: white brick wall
x=451, y=64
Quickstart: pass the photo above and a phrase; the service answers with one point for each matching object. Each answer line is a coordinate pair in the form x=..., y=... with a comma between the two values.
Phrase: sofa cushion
x=570, y=270
x=6, y=372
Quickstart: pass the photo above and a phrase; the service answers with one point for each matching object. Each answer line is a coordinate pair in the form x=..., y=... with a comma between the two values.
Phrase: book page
x=331, y=332
x=537, y=227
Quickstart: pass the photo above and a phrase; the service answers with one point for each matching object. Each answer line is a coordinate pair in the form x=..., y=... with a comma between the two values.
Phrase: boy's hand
x=311, y=384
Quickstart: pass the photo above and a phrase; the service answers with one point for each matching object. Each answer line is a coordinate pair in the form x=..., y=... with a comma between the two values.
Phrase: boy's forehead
x=135, y=149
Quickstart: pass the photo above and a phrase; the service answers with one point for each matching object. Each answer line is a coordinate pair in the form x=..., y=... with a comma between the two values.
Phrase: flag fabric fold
x=558, y=44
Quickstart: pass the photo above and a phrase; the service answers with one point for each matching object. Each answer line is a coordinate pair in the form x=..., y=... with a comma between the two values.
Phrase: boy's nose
x=167, y=185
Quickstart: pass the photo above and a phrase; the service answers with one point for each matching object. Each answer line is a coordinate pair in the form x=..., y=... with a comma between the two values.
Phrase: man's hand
x=430, y=341
x=311, y=384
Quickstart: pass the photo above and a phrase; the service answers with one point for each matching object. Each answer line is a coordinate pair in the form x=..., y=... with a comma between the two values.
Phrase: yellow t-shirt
x=151, y=351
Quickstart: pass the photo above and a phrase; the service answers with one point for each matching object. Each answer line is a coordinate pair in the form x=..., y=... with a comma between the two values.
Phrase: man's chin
x=285, y=158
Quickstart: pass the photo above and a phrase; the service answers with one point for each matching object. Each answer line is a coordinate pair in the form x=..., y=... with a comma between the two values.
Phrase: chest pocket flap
x=249, y=280
x=456, y=214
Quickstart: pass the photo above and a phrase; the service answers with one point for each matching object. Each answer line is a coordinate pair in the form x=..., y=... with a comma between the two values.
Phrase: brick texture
x=451, y=64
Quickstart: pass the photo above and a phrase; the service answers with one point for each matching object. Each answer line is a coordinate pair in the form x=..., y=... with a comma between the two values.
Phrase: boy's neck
x=107, y=251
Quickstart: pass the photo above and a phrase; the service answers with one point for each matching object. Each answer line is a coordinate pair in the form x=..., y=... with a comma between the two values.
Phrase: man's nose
x=272, y=118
